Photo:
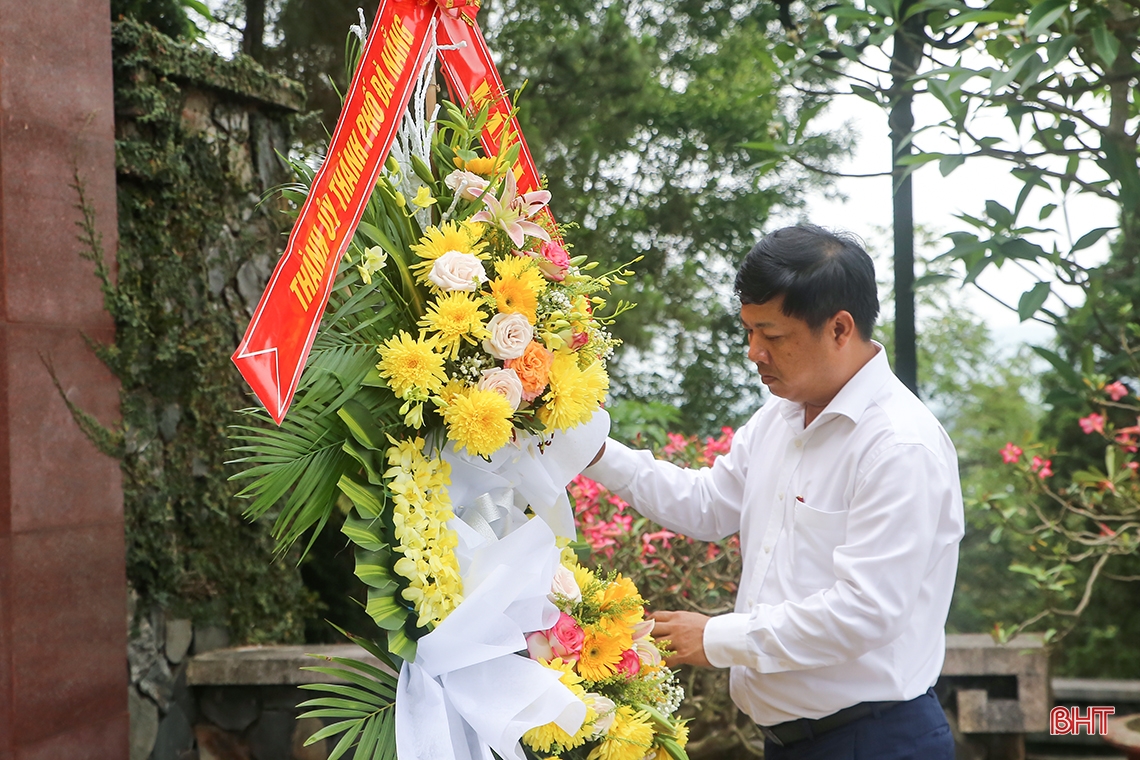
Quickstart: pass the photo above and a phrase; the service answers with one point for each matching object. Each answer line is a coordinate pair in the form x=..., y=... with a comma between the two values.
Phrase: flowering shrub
x=1075, y=525
x=675, y=572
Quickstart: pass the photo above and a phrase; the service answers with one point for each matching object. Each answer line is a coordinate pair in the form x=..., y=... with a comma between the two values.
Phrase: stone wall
x=197, y=144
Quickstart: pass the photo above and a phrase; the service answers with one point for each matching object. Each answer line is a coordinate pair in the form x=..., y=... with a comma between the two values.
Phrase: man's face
x=793, y=362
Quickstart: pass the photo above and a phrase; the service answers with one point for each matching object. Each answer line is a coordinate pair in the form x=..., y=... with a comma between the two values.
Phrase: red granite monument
x=62, y=581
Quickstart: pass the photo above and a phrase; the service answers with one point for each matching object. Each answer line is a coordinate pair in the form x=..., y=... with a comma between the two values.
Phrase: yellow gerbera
x=449, y=236
x=455, y=317
x=575, y=394
x=479, y=421
x=517, y=286
x=600, y=655
x=410, y=365
x=629, y=738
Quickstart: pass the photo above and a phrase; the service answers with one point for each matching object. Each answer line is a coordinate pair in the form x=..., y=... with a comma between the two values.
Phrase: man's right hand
x=601, y=451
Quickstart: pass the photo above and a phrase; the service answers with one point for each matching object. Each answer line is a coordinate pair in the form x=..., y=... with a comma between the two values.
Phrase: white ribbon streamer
x=539, y=476
x=468, y=691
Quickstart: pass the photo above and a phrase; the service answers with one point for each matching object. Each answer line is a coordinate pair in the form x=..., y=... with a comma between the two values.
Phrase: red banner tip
x=262, y=371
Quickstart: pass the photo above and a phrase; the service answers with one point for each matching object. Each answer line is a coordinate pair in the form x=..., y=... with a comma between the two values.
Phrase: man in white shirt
x=844, y=489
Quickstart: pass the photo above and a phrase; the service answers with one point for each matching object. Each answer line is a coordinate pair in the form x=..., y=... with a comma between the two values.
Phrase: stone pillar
x=63, y=674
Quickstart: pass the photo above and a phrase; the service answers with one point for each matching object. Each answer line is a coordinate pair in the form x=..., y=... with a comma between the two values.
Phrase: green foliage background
x=182, y=240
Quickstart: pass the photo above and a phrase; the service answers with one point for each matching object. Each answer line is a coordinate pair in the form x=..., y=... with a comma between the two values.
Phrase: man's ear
x=843, y=328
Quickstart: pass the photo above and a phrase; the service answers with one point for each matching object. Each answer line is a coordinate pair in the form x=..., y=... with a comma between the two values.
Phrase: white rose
x=506, y=382
x=509, y=336
x=565, y=585
x=466, y=184
x=605, y=709
x=457, y=271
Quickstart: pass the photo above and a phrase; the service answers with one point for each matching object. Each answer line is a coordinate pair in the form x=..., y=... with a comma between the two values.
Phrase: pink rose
x=630, y=663
x=538, y=647
x=566, y=637
x=554, y=261
x=580, y=339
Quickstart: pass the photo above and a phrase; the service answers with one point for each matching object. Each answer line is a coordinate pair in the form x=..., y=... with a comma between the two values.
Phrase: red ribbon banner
x=277, y=342
x=474, y=79
x=272, y=354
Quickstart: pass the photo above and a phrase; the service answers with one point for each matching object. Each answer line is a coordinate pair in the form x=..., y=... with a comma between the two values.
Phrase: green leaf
x=1020, y=248
x=948, y=164
x=346, y=741
x=363, y=533
x=1043, y=15
x=1063, y=369
x=999, y=213
x=371, y=567
x=1046, y=211
x=369, y=499
x=1090, y=238
x=1107, y=46
x=332, y=730
x=386, y=610
x=400, y=645
x=362, y=426
x=1032, y=300
x=351, y=692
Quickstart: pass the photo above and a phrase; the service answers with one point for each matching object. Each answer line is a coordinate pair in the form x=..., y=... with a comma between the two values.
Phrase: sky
x=864, y=207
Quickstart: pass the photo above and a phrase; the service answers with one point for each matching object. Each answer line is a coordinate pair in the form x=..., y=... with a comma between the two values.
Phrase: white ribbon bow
x=468, y=692
x=539, y=476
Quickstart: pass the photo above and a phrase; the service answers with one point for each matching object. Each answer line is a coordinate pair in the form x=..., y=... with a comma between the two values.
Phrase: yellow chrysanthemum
x=583, y=575
x=410, y=365
x=483, y=166
x=517, y=286
x=449, y=236
x=548, y=737
x=575, y=394
x=454, y=317
x=600, y=655
x=479, y=421
x=629, y=738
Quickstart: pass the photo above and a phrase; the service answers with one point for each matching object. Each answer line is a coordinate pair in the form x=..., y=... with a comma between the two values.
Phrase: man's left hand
x=685, y=632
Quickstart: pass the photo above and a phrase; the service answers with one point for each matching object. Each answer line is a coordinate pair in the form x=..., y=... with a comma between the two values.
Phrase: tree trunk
x=253, y=38
x=905, y=58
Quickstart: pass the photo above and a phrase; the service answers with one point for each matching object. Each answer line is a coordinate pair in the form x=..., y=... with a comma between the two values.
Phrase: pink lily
x=511, y=212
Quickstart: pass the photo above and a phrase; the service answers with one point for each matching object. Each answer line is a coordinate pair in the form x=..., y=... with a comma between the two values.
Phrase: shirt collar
x=852, y=399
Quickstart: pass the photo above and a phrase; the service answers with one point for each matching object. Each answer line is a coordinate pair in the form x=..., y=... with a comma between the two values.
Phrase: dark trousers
x=914, y=730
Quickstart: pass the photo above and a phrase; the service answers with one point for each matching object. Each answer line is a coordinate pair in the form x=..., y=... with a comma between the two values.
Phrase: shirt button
x=799, y=444
x=780, y=496
x=768, y=549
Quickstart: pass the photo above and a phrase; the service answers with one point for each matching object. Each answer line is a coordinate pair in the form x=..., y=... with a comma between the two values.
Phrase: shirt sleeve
x=704, y=504
x=901, y=523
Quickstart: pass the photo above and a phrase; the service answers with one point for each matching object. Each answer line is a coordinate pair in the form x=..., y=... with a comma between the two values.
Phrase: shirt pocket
x=815, y=536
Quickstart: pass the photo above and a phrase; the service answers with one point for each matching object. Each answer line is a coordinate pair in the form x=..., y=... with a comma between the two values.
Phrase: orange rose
x=533, y=368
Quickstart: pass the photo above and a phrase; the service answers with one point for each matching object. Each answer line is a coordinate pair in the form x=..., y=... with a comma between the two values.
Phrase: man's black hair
x=819, y=274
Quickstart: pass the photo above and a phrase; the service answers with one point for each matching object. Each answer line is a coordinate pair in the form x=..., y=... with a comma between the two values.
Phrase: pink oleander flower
x=512, y=212
x=566, y=637
x=677, y=442
x=1094, y=423
x=647, y=540
x=1043, y=467
x=1116, y=391
x=1010, y=453
x=630, y=663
